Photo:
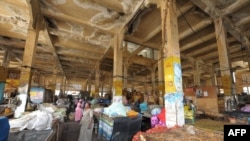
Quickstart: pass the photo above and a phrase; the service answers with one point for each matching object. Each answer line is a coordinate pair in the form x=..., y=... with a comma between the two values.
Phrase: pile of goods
x=157, y=129
x=188, y=132
x=132, y=114
x=5, y=110
x=117, y=109
x=41, y=119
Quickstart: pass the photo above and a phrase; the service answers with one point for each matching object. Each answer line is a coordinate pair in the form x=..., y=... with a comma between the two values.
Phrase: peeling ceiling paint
x=107, y=21
x=76, y=29
x=103, y=40
x=88, y=5
x=58, y=2
x=128, y=4
x=19, y=25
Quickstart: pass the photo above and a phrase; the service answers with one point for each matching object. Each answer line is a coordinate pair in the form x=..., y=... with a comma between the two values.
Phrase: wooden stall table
x=9, y=115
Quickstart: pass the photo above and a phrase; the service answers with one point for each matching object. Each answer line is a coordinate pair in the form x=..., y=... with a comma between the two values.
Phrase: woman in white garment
x=87, y=123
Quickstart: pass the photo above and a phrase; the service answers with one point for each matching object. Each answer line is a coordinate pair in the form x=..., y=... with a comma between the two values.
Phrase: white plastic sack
x=47, y=107
x=37, y=120
x=43, y=121
x=116, y=109
x=21, y=122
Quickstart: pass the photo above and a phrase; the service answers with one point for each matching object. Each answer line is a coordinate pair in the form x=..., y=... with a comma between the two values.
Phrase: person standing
x=78, y=111
x=87, y=123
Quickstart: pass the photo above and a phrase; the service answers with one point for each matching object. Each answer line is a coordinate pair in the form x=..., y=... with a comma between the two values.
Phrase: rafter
x=11, y=53
x=35, y=13
x=200, y=37
x=77, y=45
x=184, y=8
x=51, y=45
x=140, y=48
x=234, y=7
x=106, y=53
x=235, y=31
x=140, y=42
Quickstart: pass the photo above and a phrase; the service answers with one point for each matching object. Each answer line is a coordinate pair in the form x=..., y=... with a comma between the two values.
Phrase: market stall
x=118, y=128
x=31, y=135
x=39, y=125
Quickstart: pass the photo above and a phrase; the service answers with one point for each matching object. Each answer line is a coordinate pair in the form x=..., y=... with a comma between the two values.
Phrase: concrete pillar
x=97, y=80
x=160, y=78
x=125, y=75
x=118, y=65
x=153, y=80
x=85, y=86
x=110, y=82
x=172, y=65
x=53, y=86
x=92, y=90
x=132, y=82
x=64, y=84
x=196, y=74
x=225, y=66
x=89, y=86
x=26, y=70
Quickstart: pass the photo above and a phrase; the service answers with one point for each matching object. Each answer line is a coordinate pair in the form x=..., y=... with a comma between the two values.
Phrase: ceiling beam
x=150, y=35
x=140, y=42
x=11, y=53
x=54, y=15
x=78, y=54
x=230, y=26
x=77, y=60
x=234, y=7
x=139, y=49
x=210, y=9
x=106, y=53
x=243, y=21
x=184, y=8
x=35, y=13
x=12, y=43
x=206, y=47
x=142, y=60
x=207, y=7
x=52, y=47
x=194, y=28
x=77, y=45
x=198, y=38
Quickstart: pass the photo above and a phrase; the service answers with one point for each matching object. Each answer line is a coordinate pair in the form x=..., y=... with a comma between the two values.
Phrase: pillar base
x=174, y=109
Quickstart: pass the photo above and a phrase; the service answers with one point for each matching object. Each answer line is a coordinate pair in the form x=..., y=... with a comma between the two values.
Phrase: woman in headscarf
x=78, y=111
x=87, y=123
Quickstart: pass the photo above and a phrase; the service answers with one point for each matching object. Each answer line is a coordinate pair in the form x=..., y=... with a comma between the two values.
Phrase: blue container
x=4, y=128
x=2, y=85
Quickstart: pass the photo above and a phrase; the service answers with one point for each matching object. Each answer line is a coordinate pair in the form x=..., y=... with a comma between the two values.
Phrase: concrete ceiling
x=77, y=34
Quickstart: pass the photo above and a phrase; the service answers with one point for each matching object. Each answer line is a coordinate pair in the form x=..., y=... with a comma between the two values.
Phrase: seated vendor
x=246, y=108
x=61, y=101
